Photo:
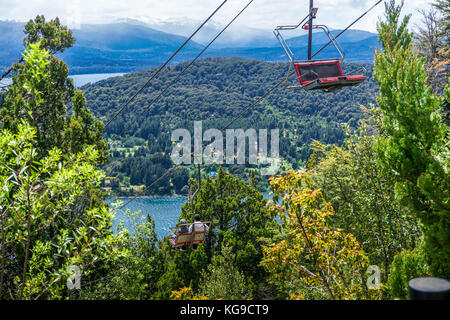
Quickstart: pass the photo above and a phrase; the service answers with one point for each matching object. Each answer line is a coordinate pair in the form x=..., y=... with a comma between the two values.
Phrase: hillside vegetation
x=215, y=91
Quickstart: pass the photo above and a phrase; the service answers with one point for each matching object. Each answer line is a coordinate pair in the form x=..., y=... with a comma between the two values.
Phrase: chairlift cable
x=168, y=171
x=194, y=60
x=173, y=81
x=164, y=65
x=254, y=104
x=326, y=45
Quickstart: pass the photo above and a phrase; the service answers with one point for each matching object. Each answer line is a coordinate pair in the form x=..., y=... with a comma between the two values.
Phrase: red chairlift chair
x=190, y=238
x=324, y=75
x=321, y=74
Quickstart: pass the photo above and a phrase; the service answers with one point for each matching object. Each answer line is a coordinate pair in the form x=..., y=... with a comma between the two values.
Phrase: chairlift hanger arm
x=280, y=37
x=332, y=39
x=293, y=27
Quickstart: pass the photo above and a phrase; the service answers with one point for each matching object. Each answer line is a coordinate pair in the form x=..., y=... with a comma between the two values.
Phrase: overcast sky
x=262, y=14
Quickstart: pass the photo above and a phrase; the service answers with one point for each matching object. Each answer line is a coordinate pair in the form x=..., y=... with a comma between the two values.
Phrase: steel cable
x=164, y=65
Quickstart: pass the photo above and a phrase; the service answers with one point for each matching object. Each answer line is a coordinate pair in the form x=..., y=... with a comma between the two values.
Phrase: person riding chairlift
x=198, y=226
x=183, y=229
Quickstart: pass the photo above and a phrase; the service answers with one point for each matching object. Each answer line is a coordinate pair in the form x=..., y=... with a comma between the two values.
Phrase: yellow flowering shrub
x=317, y=261
x=186, y=293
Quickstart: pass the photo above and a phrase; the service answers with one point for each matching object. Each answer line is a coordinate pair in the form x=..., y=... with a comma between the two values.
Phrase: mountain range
x=130, y=45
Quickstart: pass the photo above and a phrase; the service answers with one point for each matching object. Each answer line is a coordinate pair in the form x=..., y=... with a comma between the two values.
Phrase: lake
x=80, y=79
x=165, y=211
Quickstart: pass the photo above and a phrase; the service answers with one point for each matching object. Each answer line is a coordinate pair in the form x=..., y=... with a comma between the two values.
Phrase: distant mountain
x=127, y=37
x=11, y=37
x=359, y=51
x=322, y=38
x=233, y=37
x=132, y=45
x=122, y=47
x=104, y=47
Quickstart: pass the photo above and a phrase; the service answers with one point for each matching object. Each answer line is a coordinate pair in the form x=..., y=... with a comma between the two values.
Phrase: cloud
x=262, y=14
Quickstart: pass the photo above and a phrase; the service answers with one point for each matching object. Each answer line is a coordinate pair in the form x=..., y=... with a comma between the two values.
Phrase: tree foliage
x=362, y=195
x=135, y=273
x=41, y=94
x=238, y=219
x=314, y=259
x=53, y=36
x=44, y=230
x=223, y=280
x=414, y=145
x=53, y=219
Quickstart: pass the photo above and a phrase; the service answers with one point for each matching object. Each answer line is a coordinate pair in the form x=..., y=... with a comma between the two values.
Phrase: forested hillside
x=214, y=91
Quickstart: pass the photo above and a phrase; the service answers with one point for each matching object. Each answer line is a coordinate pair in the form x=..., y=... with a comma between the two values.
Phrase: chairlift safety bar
x=303, y=23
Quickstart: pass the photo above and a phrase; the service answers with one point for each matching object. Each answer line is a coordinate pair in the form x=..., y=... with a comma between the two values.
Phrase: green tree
x=53, y=218
x=180, y=180
x=41, y=93
x=223, y=280
x=133, y=275
x=43, y=229
x=414, y=143
x=362, y=195
x=312, y=259
x=239, y=221
x=53, y=36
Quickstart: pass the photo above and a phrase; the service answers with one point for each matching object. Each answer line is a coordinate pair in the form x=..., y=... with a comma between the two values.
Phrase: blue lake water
x=79, y=79
x=165, y=211
x=82, y=79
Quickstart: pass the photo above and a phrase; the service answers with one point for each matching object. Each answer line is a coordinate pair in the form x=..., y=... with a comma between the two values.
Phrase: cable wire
x=376, y=4
x=254, y=104
x=273, y=88
x=194, y=60
x=164, y=65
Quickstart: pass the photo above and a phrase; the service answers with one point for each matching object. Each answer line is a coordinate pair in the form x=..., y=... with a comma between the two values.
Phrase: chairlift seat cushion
x=199, y=237
x=185, y=239
x=182, y=240
x=324, y=75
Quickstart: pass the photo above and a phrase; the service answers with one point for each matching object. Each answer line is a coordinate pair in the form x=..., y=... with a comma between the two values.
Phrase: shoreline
x=145, y=197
